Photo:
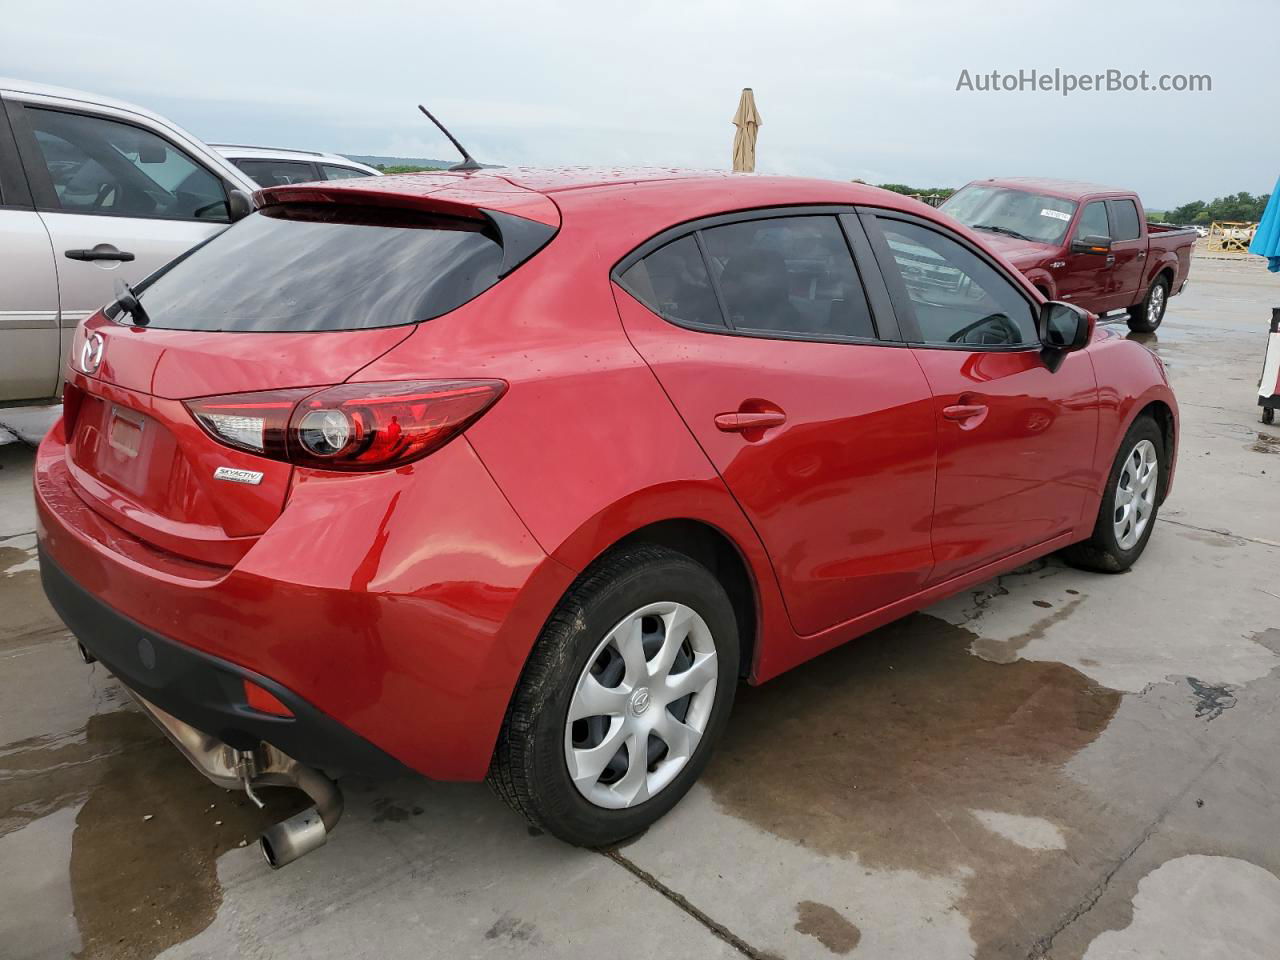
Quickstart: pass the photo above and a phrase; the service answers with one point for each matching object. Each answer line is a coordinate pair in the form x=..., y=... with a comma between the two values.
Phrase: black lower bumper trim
x=206, y=691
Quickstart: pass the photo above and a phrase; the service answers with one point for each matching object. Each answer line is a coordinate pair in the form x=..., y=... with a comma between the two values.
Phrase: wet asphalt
x=1056, y=764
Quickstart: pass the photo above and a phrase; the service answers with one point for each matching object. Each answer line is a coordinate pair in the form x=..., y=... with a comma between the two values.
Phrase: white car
x=272, y=167
x=91, y=190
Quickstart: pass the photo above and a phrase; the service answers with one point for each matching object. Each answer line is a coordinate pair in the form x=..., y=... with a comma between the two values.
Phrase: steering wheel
x=998, y=322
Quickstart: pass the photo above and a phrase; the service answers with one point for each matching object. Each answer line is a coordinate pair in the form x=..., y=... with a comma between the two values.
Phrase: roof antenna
x=468, y=161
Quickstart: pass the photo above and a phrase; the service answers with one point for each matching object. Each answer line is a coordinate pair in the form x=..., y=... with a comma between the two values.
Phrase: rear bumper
x=204, y=691
x=392, y=612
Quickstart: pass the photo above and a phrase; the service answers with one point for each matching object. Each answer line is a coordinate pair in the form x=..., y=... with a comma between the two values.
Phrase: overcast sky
x=846, y=89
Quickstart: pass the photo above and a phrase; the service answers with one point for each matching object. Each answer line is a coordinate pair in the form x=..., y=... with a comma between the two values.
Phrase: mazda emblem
x=91, y=352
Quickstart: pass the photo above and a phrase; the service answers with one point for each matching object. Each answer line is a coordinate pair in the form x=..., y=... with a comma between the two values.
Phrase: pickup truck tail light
x=351, y=427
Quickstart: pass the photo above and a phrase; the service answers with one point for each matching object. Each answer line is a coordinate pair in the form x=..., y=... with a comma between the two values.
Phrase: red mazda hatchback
x=516, y=474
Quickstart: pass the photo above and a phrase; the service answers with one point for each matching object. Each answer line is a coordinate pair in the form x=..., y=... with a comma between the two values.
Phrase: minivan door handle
x=103, y=252
x=743, y=421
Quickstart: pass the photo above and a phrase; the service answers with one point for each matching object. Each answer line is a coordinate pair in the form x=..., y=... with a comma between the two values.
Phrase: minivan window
x=1128, y=227
x=278, y=173
x=334, y=172
x=105, y=167
x=325, y=267
x=673, y=283
x=789, y=275
x=956, y=297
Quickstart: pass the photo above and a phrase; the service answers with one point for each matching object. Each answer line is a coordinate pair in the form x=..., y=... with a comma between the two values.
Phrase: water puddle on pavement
x=149, y=828
x=910, y=752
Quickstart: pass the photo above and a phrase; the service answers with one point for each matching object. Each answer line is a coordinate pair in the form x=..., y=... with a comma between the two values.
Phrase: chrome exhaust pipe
x=305, y=831
x=264, y=766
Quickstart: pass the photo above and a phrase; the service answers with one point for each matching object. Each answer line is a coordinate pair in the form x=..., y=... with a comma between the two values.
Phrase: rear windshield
x=325, y=267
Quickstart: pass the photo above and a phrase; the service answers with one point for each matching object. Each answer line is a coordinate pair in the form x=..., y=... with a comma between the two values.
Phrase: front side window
x=673, y=283
x=1013, y=213
x=106, y=167
x=333, y=172
x=1128, y=226
x=956, y=297
x=789, y=275
x=277, y=173
x=1093, y=222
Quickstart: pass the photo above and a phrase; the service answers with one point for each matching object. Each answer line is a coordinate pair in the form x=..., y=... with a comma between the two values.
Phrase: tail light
x=72, y=398
x=350, y=427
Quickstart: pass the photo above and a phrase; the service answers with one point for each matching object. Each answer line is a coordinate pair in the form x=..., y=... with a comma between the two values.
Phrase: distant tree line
x=943, y=192
x=1238, y=206
x=403, y=168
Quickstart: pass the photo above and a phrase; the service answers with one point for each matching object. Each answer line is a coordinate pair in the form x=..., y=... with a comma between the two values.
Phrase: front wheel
x=625, y=692
x=1145, y=317
x=1129, y=506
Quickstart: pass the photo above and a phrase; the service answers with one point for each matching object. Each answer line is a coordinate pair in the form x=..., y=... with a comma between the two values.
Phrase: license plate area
x=124, y=432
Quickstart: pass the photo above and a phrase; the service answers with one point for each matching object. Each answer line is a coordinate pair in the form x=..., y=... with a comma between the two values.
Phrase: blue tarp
x=1266, y=242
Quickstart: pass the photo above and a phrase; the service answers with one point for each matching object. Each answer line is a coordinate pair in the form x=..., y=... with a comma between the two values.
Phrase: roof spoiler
x=527, y=226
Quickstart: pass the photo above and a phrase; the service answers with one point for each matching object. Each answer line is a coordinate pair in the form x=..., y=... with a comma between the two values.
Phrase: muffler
x=263, y=766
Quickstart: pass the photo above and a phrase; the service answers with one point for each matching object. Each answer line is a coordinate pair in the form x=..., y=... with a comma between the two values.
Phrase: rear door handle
x=741, y=421
x=105, y=253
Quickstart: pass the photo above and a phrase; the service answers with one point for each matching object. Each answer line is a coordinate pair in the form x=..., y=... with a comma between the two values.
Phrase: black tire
x=529, y=770
x=1145, y=317
x=1102, y=551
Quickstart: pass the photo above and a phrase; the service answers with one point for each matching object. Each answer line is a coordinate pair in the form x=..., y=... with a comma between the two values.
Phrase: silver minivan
x=91, y=190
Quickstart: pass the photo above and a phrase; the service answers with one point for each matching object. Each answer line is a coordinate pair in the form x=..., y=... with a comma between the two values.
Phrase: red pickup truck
x=1082, y=243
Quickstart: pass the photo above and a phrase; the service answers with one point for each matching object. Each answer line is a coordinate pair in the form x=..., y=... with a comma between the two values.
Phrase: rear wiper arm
x=1005, y=230
x=129, y=303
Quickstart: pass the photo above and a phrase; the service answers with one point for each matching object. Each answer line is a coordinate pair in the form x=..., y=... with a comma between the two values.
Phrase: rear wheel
x=1129, y=506
x=627, y=689
x=1145, y=317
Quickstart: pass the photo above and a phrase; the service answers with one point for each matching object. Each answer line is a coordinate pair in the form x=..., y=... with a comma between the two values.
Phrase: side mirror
x=239, y=205
x=1064, y=327
x=1098, y=245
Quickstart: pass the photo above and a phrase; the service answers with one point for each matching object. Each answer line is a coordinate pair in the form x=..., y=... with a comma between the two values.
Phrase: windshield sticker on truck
x=1056, y=214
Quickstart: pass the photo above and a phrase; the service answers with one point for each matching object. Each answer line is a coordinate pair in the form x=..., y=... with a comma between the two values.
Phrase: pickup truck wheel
x=1146, y=316
x=623, y=697
x=1129, y=506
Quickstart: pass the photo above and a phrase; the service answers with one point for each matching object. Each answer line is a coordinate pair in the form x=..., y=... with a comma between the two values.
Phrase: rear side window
x=325, y=267
x=789, y=275
x=1127, y=226
x=673, y=283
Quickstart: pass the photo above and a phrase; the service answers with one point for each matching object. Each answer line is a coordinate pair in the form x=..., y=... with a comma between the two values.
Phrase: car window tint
x=789, y=275
x=1093, y=222
x=1127, y=224
x=277, y=173
x=325, y=267
x=101, y=166
x=332, y=172
x=673, y=283
x=956, y=297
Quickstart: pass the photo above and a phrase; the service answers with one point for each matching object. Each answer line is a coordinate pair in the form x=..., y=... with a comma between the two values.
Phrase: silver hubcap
x=1136, y=494
x=1155, y=307
x=641, y=705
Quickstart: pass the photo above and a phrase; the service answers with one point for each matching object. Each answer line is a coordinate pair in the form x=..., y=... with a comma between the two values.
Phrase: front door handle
x=1111, y=259
x=742, y=421
x=102, y=252
x=968, y=415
